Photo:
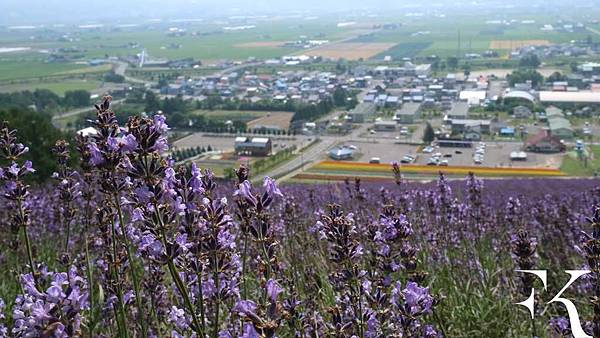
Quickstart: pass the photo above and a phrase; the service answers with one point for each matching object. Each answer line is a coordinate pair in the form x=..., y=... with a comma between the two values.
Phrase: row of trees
x=183, y=154
x=179, y=111
x=45, y=100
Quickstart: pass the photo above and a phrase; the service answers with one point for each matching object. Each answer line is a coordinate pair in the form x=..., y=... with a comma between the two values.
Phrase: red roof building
x=544, y=142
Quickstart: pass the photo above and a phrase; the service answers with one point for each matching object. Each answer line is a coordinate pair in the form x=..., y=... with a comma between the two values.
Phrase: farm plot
x=233, y=115
x=516, y=44
x=280, y=120
x=402, y=50
x=350, y=50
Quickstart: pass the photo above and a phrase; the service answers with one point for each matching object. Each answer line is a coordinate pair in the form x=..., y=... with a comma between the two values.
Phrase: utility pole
x=458, y=46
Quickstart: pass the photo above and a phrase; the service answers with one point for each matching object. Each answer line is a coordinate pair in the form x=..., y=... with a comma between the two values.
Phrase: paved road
x=315, y=153
x=75, y=112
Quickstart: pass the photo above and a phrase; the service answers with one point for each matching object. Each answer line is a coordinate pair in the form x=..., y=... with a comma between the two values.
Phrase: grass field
x=574, y=167
x=209, y=42
x=234, y=115
x=404, y=49
x=57, y=87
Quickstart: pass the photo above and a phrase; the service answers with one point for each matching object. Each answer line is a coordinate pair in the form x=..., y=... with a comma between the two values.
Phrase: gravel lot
x=226, y=143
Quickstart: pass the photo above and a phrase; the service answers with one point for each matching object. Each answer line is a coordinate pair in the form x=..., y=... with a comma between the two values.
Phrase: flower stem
x=175, y=275
x=121, y=308
x=134, y=276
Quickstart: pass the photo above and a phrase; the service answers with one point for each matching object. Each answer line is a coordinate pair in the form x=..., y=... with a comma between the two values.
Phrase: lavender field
x=124, y=244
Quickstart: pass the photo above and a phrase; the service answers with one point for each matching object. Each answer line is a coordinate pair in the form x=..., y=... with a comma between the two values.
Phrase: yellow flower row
x=425, y=169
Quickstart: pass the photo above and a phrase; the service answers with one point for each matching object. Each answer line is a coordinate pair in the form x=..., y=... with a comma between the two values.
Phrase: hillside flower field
x=123, y=243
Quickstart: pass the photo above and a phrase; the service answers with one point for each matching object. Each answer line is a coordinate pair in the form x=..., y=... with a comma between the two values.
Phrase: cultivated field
x=516, y=44
x=350, y=50
x=259, y=44
x=278, y=119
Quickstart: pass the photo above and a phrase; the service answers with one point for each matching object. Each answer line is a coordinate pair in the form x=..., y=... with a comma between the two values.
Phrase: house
x=544, y=142
x=472, y=134
x=461, y=126
x=362, y=112
x=561, y=127
x=255, y=146
x=459, y=111
x=522, y=112
x=507, y=132
x=473, y=97
x=392, y=101
x=408, y=113
x=552, y=111
x=385, y=126
x=341, y=153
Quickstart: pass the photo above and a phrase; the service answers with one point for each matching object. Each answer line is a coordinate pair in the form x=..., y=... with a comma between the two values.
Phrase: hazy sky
x=23, y=12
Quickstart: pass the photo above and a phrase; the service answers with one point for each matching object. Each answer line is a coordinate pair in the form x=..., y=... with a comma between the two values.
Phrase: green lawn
x=234, y=115
x=59, y=87
x=574, y=167
x=15, y=69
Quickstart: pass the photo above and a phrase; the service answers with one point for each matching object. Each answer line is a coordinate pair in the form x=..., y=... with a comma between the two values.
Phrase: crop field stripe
x=328, y=166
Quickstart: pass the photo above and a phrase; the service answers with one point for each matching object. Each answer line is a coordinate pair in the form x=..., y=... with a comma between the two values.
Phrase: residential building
x=561, y=127
x=544, y=142
x=385, y=125
x=461, y=126
x=341, y=153
x=459, y=111
x=255, y=146
x=408, y=114
x=522, y=112
x=362, y=112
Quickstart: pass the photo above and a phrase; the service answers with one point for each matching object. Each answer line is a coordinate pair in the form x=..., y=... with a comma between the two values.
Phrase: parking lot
x=497, y=154
x=225, y=143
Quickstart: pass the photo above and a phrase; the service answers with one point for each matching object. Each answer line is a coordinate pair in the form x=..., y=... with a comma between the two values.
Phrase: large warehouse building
x=588, y=97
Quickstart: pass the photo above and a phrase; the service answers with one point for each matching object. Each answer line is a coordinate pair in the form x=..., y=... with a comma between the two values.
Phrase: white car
x=437, y=155
x=428, y=150
x=444, y=163
x=353, y=147
x=433, y=161
x=407, y=159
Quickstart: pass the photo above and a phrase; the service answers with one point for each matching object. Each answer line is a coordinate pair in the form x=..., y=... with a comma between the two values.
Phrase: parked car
x=375, y=160
x=433, y=161
x=428, y=149
x=407, y=159
x=444, y=163
x=447, y=155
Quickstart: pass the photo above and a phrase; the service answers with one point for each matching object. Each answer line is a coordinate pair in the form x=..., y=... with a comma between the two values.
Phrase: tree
x=35, y=130
x=429, y=134
x=77, y=98
x=115, y=78
x=529, y=61
x=556, y=76
x=339, y=97
x=524, y=75
x=152, y=104
x=452, y=62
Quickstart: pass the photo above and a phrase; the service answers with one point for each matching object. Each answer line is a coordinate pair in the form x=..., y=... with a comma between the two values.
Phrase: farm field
x=350, y=50
x=334, y=170
x=278, y=119
x=238, y=115
x=27, y=69
x=59, y=87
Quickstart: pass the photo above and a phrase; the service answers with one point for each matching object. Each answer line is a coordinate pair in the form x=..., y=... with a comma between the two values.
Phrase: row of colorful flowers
x=333, y=167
